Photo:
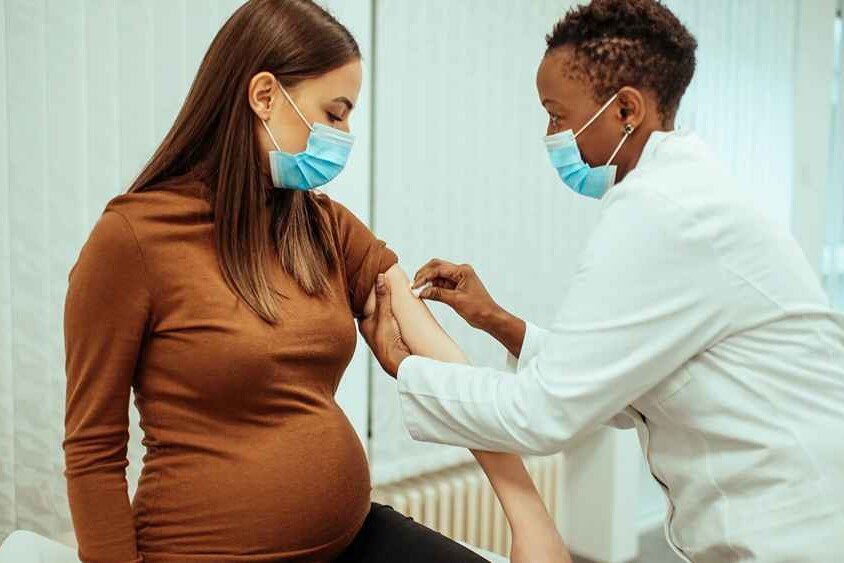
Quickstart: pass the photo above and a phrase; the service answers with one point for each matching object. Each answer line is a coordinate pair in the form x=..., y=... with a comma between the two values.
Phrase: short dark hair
x=637, y=43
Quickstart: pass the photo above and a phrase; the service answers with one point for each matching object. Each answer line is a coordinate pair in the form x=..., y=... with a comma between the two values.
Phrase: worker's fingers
x=436, y=269
x=442, y=282
x=441, y=294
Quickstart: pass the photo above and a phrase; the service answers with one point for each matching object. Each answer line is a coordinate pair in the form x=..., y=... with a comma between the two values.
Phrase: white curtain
x=88, y=88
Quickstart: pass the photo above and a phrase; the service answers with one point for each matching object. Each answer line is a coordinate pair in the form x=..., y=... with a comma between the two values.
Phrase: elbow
x=95, y=454
x=544, y=444
x=538, y=441
x=79, y=467
x=543, y=435
x=534, y=420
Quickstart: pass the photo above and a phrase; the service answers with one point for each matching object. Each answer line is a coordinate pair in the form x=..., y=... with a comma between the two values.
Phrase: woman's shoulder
x=162, y=202
x=342, y=218
x=329, y=205
x=164, y=196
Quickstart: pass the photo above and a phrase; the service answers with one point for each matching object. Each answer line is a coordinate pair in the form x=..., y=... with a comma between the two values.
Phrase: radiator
x=459, y=502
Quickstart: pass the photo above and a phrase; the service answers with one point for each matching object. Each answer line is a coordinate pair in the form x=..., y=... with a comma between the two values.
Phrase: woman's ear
x=263, y=93
x=631, y=106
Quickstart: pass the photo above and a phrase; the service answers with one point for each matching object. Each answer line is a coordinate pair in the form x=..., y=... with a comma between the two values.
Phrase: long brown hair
x=214, y=139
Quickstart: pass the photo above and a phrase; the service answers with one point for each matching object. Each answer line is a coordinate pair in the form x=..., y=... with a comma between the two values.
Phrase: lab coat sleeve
x=534, y=337
x=643, y=302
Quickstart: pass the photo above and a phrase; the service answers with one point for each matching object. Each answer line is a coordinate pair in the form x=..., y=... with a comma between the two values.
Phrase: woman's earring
x=628, y=128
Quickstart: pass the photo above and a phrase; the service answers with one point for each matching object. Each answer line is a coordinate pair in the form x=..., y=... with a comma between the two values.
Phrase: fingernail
x=380, y=281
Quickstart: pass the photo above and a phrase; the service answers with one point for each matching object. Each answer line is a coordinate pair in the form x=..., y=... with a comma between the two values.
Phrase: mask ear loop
x=597, y=115
x=628, y=129
x=292, y=103
x=270, y=133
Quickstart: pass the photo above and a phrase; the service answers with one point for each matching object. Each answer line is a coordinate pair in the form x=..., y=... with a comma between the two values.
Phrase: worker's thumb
x=441, y=294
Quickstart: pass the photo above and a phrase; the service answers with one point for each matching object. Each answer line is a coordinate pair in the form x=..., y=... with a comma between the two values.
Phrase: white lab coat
x=698, y=320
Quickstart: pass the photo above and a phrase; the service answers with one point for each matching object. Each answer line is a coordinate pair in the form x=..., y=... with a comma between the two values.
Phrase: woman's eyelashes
x=336, y=113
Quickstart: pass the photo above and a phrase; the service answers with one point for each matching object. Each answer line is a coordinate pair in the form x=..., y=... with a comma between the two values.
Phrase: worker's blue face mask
x=591, y=181
x=323, y=159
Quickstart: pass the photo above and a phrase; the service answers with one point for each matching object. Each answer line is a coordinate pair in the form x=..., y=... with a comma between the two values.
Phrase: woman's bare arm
x=535, y=537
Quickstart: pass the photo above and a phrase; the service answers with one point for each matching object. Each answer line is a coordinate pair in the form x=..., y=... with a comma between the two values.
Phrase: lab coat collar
x=655, y=140
x=653, y=149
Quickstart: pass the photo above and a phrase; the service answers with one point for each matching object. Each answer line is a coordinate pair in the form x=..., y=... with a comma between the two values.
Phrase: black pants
x=388, y=536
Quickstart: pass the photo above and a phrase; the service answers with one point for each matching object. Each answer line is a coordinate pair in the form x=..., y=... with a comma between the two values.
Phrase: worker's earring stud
x=628, y=128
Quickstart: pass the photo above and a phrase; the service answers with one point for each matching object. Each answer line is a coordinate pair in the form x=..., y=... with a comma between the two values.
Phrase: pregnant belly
x=301, y=488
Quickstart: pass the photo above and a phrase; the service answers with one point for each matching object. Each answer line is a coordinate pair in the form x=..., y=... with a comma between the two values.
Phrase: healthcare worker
x=691, y=315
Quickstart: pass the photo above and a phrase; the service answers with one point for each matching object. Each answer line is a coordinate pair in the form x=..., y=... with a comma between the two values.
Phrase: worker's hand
x=381, y=330
x=460, y=288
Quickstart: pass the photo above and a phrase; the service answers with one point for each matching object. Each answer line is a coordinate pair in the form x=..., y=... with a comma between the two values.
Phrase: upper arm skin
x=419, y=329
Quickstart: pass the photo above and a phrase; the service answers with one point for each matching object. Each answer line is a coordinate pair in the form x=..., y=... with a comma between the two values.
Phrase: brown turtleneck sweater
x=249, y=458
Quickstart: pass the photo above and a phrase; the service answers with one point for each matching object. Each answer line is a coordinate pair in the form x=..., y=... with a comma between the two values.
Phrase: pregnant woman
x=224, y=291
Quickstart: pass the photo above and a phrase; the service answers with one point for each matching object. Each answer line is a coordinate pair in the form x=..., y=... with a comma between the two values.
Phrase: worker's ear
x=630, y=107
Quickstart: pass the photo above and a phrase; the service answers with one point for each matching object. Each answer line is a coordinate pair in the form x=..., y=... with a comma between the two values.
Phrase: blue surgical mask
x=323, y=159
x=591, y=181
